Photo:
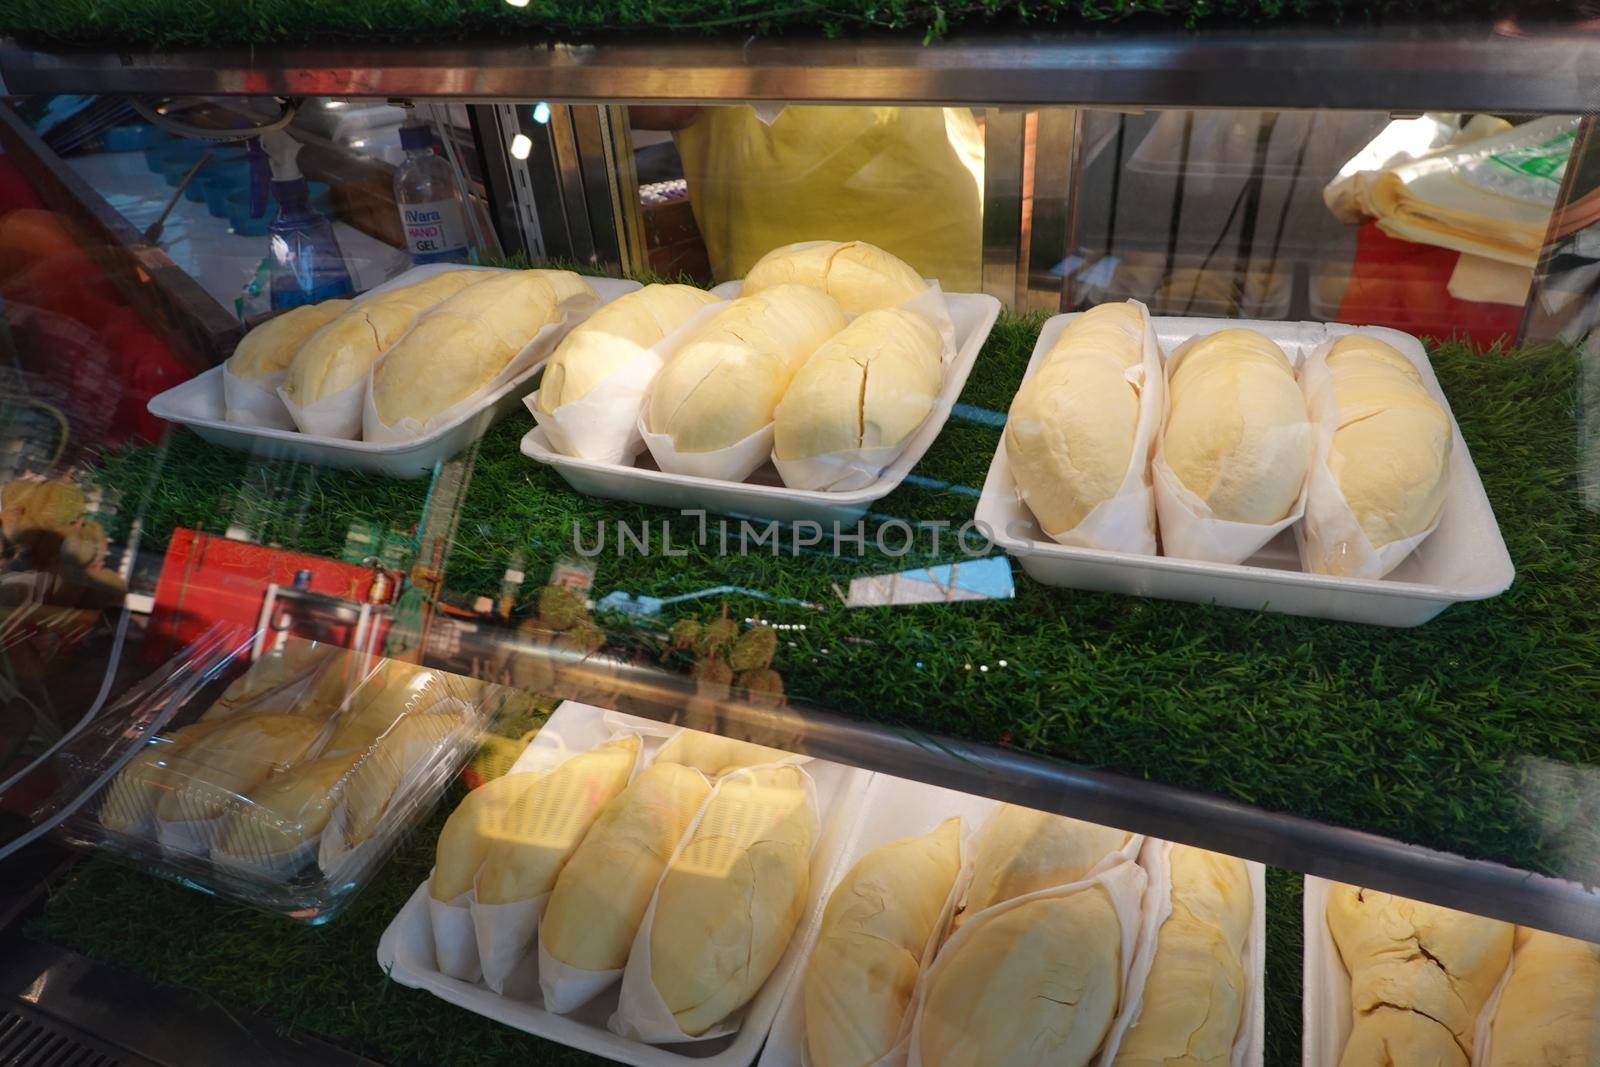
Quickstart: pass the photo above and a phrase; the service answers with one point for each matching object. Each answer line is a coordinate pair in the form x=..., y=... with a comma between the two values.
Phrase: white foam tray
x=1325, y=993
x=197, y=404
x=765, y=496
x=405, y=951
x=1465, y=558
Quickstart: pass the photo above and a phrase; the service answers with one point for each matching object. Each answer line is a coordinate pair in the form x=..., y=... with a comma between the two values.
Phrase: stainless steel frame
x=1442, y=65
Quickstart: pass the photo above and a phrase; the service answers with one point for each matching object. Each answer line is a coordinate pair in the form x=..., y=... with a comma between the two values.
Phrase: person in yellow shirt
x=908, y=179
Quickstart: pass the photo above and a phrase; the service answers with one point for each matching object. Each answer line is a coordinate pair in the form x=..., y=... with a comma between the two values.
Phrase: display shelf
x=325, y=981
x=1444, y=64
x=1436, y=737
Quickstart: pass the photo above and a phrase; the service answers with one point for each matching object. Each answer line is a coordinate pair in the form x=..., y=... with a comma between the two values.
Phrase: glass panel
x=1325, y=604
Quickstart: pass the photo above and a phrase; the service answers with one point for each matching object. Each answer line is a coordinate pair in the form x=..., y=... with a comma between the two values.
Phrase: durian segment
x=610, y=338
x=547, y=822
x=1237, y=433
x=1037, y=986
x=270, y=347
x=1070, y=432
x=287, y=810
x=602, y=893
x=138, y=788
x=389, y=693
x=207, y=777
x=480, y=823
x=459, y=345
x=729, y=902
x=276, y=672
x=860, y=276
x=723, y=384
x=405, y=745
x=715, y=755
x=338, y=355
x=1392, y=1037
x=1391, y=450
x=1549, y=1012
x=1420, y=958
x=1022, y=851
x=1193, y=1002
x=869, y=386
x=868, y=953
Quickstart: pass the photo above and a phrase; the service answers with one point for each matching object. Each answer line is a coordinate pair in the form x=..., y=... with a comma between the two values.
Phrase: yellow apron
x=908, y=179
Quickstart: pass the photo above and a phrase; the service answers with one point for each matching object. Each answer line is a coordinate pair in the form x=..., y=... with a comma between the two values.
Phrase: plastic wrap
x=256, y=786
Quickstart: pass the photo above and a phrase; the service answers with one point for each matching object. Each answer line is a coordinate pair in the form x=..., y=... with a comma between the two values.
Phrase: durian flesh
x=480, y=822
x=602, y=893
x=546, y=823
x=1549, y=1013
x=1070, y=431
x=610, y=338
x=722, y=385
x=868, y=954
x=869, y=386
x=860, y=276
x=1037, y=986
x=1193, y=1000
x=1021, y=850
x=1438, y=964
x=458, y=346
x=730, y=901
x=1237, y=434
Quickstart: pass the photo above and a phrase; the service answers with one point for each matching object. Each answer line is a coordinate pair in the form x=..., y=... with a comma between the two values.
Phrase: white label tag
x=433, y=229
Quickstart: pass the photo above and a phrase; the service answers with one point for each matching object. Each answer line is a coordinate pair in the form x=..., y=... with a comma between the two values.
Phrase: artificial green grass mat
x=1460, y=734
x=168, y=23
x=326, y=980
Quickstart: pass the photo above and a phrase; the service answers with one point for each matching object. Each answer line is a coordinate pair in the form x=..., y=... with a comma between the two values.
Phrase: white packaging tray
x=765, y=496
x=894, y=808
x=405, y=952
x=1325, y=994
x=1464, y=559
x=197, y=404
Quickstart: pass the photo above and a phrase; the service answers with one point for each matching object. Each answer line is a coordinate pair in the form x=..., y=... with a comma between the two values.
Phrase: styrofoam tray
x=894, y=808
x=197, y=404
x=406, y=953
x=765, y=496
x=1464, y=559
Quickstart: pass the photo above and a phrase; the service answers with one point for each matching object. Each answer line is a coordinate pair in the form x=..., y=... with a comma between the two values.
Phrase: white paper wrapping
x=192, y=837
x=1189, y=528
x=1483, y=1033
x=1156, y=860
x=1128, y=853
x=506, y=932
x=1124, y=883
x=566, y=988
x=530, y=357
x=455, y=943
x=254, y=401
x=732, y=464
x=841, y=472
x=641, y=1013
x=606, y=424
x=1127, y=521
x=1331, y=540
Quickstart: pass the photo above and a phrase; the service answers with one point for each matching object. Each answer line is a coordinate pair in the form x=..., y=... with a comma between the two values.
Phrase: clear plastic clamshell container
x=270, y=768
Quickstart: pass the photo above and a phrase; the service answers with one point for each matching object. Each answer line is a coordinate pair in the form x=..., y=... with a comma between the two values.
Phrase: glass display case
x=784, y=477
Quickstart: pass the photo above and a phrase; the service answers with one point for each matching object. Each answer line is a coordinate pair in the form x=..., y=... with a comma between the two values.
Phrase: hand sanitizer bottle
x=429, y=201
x=306, y=264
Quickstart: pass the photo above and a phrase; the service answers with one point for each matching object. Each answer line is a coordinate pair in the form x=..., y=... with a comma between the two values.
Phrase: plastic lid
x=416, y=137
